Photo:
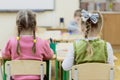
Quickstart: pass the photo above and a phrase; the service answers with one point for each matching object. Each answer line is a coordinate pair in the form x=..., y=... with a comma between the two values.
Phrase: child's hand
x=54, y=56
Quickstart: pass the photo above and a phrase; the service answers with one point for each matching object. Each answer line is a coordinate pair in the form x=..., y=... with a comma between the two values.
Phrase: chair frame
x=9, y=69
x=75, y=70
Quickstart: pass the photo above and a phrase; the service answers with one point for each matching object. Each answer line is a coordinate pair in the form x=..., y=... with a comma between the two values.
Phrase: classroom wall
x=63, y=8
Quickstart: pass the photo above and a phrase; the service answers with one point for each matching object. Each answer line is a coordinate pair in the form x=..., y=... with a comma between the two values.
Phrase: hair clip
x=18, y=38
x=34, y=40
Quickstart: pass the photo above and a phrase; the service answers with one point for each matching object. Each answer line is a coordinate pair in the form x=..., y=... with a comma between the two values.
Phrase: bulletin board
x=37, y=5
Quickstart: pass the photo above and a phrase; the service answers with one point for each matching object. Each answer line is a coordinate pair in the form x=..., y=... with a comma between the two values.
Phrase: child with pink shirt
x=26, y=46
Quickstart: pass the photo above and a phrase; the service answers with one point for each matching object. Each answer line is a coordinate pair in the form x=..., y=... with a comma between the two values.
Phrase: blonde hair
x=77, y=13
x=26, y=20
x=90, y=26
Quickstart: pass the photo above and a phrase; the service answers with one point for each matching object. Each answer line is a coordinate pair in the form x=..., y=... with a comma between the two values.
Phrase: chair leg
x=65, y=75
x=70, y=75
x=75, y=74
x=8, y=73
x=56, y=70
x=50, y=70
x=47, y=70
x=4, y=75
x=111, y=74
x=42, y=71
x=1, y=74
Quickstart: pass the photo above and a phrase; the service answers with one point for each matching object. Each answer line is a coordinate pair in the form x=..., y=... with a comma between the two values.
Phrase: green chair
x=53, y=47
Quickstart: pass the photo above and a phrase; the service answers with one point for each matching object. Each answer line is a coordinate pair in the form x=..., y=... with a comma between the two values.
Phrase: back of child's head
x=77, y=13
x=92, y=22
x=26, y=21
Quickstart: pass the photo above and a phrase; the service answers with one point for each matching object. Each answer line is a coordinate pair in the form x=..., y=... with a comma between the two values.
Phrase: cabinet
x=111, y=28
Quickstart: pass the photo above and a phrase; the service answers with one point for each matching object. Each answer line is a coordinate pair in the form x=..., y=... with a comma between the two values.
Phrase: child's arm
x=48, y=54
x=6, y=51
x=110, y=54
x=69, y=60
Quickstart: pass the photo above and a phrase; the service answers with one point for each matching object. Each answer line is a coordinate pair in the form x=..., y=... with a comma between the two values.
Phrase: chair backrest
x=92, y=71
x=25, y=67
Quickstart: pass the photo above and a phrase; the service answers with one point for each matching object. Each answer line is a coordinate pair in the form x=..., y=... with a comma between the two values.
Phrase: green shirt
x=99, y=51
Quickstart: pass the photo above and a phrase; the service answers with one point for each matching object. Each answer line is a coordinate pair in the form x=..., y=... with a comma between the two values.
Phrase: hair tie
x=34, y=40
x=18, y=38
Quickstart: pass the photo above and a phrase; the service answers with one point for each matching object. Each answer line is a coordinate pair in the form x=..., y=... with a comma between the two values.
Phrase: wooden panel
x=111, y=28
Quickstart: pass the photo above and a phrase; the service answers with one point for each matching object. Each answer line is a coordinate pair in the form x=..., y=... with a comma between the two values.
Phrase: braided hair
x=93, y=27
x=26, y=20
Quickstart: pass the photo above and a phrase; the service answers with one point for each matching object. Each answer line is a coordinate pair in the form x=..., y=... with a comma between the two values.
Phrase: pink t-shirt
x=43, y=52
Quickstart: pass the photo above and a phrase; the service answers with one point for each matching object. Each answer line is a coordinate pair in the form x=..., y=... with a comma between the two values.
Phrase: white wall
x=63, y=8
